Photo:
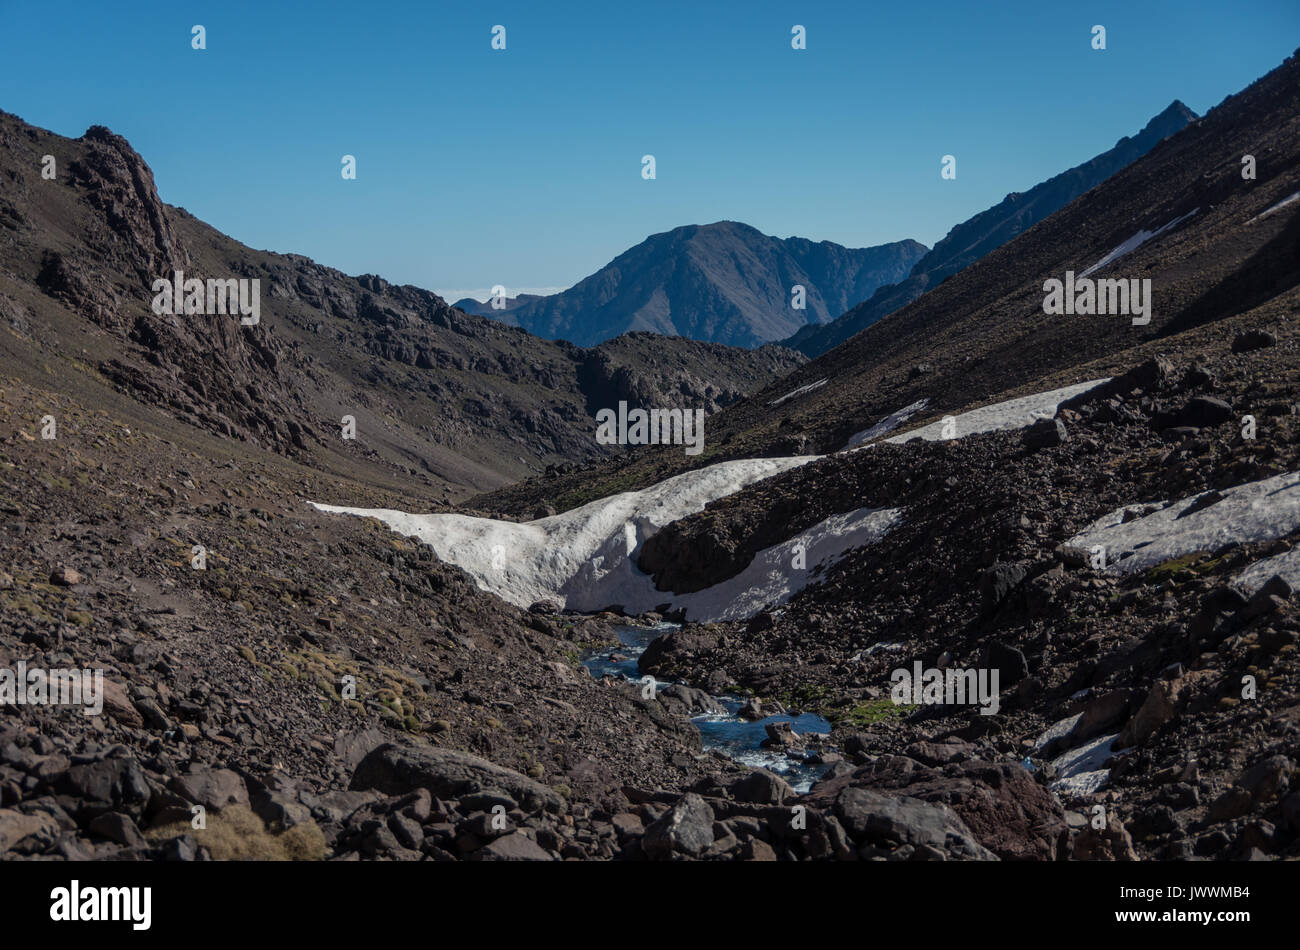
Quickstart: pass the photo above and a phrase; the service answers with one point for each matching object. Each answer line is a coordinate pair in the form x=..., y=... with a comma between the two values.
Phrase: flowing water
x=734, y=737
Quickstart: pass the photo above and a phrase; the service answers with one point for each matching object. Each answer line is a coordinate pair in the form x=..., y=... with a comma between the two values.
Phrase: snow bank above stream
x=585, y=559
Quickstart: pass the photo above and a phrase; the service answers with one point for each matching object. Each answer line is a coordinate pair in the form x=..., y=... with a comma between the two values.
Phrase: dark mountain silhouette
x=723, y=283
x=974, y=238
x=484, y=308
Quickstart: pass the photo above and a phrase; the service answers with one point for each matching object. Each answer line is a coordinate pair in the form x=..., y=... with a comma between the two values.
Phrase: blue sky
x=523, y=167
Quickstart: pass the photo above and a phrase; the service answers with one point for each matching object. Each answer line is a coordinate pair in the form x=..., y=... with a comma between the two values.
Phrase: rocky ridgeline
x=423, y=379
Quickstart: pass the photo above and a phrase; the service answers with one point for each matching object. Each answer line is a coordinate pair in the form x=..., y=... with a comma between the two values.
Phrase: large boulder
x=446, y=773
x=887, y=822
x=1256, y=339
x=1149, y=377
x=512, y=847
x=685, y=829
x=1008, y=812
x=211, y=788
x=1045, y=434
x=116, y=784
x=16, y=827
x=1201, y=412
x=664, y=650
x=761, y=787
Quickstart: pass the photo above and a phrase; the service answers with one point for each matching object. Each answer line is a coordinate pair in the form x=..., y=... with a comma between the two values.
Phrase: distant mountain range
x=721, y=283
x=972, y=239
x=729, y=283
x=484, y=308
x=1232, y=265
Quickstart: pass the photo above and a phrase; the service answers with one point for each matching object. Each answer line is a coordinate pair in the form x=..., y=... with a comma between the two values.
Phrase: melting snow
x=1136, y=241
x=770, y=580
x=1257, y=575
x=1011, y=414
x=885, y=425
x=800, y=391
x=585, y=559
x=1281, y=204
x=1082, y=771
x=581, y=558
x=1256, y=511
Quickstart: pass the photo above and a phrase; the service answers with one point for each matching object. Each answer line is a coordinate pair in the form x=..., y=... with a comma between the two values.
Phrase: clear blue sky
x=523, y=167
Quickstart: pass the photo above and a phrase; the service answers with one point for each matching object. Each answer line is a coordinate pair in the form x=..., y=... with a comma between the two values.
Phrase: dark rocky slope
x=990, y=229
x=444, y=402
x=982, y=334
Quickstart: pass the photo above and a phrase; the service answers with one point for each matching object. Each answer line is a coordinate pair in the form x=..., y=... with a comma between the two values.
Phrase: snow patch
x=585, y=559
x=1136, y=241
x=1058, y=730
x=770, y=581
x=1287, y=564
x=582, y=558
x=1255, y=511
x=800, y=391
x=1010, y=414
x=1082, y=771
x=885, y=425
x=1290, y=199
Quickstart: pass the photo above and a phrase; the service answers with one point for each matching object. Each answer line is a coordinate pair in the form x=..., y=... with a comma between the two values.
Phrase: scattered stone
x=396, y=770
x=1253, y=340
x=65, y=577
x=1045, y=434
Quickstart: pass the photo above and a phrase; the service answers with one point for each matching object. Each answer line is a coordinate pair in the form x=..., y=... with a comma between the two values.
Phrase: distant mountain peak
x=722, y=282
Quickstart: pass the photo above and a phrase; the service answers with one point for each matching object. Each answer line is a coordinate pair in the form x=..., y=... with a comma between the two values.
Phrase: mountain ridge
x=724, y=282
x=975, y=237
x=422, y=379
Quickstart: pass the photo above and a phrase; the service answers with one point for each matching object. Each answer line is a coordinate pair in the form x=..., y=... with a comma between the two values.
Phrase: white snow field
x=802, y=390
x=885, y=425
x=1286, y=564
x=1010, y=414
x=585, y=559
x=1255, y=511
x=770, y=580
x=1136, y=241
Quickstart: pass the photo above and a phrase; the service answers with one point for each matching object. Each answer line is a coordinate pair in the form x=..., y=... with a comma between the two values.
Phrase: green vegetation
x=870, y=713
